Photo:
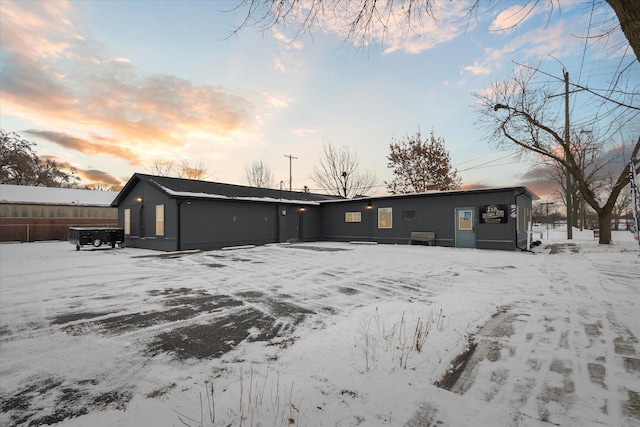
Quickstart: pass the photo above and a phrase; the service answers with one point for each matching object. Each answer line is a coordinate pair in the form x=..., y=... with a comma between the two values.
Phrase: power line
x=487, y=163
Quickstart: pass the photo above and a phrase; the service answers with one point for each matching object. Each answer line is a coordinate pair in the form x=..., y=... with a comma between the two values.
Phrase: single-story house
x=30, y=213
x=172, y=214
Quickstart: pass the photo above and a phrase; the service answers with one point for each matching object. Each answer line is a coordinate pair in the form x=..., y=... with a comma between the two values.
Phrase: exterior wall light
x=369, y=206
x=140, y=199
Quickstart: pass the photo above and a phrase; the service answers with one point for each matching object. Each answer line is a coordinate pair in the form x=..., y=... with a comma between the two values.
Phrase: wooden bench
x=423, y=236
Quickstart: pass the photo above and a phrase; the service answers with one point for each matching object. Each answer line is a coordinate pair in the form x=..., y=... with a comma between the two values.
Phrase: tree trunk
x=604, y=222
x=628, y=13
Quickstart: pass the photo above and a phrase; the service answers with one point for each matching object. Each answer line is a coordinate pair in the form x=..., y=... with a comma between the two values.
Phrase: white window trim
x=355, y=216
x=127, y=221
x=159, y=220
x=382, y=211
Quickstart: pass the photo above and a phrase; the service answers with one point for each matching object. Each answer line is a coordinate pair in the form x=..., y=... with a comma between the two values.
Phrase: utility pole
x=547, y=203
x=290, y=176
x=567, y=150
x=567, y=147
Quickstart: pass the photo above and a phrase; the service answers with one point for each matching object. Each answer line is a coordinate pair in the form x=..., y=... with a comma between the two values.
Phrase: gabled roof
x=24, y=194
x=195, y=189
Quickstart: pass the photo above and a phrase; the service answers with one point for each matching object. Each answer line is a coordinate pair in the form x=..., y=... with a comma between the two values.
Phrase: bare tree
x=101, y=187
x=161, y=167
x=596, y=164
x=621, y=207
x=542, y=213
x=197, y=171
x=418, y=164
x=259, y=175
x=519, y=114
x=362, y=20
x=179, y=169
x=338, y=173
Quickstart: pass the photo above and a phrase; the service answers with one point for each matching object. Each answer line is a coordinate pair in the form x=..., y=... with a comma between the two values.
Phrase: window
x=352, y=216
x=127, y=221
x=385, y=218
x=159, y=220
x=524, y=219
x=408, y=215
x=465, y=220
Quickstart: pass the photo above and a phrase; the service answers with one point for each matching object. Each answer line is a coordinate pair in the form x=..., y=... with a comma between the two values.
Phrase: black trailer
x=97, y=237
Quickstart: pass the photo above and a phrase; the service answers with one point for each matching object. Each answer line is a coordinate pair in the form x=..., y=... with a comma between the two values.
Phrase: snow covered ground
x=322, y=334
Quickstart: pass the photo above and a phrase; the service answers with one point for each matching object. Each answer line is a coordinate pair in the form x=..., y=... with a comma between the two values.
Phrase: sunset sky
x=111, y=86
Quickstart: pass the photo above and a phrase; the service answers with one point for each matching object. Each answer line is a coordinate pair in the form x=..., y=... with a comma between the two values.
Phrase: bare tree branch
x=259, y=175
x=514, y=112
x=178, y=169
x=338, y=173
x=363, y=20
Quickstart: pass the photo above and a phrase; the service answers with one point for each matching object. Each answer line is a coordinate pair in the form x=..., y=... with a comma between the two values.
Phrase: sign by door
x=494, y=214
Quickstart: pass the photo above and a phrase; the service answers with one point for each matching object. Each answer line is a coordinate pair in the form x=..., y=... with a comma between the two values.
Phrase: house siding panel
x=213, y=224
x=142, y=201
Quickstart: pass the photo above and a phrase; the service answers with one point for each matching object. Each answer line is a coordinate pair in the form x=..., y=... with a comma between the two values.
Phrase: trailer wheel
x=97, y=243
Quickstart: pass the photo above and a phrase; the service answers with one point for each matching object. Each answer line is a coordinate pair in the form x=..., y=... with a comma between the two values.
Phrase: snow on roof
x=54, y=196
x=247, y=198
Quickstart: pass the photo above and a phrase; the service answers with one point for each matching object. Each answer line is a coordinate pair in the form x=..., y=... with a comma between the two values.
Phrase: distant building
x=178, y=214
x=29, y=214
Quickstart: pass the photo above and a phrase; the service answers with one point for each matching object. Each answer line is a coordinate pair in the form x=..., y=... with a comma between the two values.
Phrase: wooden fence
x=38, y=229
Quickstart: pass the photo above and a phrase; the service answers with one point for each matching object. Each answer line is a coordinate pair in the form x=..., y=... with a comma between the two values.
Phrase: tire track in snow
x=550, y=359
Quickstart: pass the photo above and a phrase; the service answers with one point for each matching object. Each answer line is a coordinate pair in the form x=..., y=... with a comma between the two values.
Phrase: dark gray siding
x=312, y=223
x=432, y=212
x=301, y=223
x=495, y=236
x=335, y=227
x=143, y=218
x=214, y=224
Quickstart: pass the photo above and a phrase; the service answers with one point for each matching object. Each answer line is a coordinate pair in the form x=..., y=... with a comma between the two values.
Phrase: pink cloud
x=99, y=145
x=52, y=75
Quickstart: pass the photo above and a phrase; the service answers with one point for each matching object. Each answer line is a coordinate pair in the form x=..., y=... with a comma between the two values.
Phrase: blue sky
x=109, y=86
